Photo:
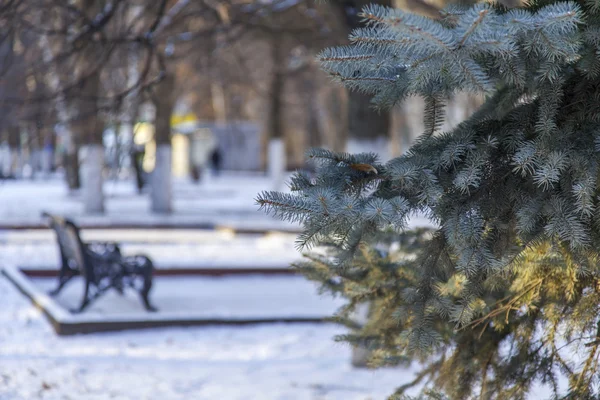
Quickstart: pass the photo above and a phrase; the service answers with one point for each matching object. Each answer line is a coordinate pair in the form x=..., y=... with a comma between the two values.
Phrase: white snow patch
x=193, y=297
x=274, y=362
x=227, y=201
x=167, y=249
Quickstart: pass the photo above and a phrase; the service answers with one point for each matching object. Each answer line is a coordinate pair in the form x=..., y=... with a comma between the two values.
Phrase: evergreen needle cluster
x=505, y=294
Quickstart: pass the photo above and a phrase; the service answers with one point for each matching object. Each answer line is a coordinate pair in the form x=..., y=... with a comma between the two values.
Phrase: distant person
x=196, y=173
x=137, y=155
x=215, y=159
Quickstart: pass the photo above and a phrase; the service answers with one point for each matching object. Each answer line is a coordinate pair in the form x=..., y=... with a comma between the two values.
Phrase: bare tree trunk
x=220, y=106
x=35, y=148
x=90, y=122
x=63, y=112
x=276, y=129
x=402, y=130
x=219, y=102
x=164, y=101
x=336, y=125
x=12, y=84
x=276, y=159
x=87, y=128
x=126, y=131
x=14, y=149
x=368, y=130
x=71, y=164
x=313, y=126
x=46, y=148
x=91, y=171
x=361, y=355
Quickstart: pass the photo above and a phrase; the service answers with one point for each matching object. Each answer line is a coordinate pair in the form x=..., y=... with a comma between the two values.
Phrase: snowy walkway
x=226, y=201
x=274, y=362
x=278, y=362
x=168, y=249
x=191, y=297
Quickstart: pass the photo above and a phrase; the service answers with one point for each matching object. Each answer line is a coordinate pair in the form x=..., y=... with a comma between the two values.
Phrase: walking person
x=216, y=160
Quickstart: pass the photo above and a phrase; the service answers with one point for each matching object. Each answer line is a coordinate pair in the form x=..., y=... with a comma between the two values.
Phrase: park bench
x=100, y=264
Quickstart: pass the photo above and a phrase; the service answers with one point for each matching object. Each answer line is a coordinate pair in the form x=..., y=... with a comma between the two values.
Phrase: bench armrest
x=99, y=243
x=104, y=249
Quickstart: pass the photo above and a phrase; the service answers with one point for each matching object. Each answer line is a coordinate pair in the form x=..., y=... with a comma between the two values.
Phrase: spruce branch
x=473, y=25
x=433, y=114
x=513, y=192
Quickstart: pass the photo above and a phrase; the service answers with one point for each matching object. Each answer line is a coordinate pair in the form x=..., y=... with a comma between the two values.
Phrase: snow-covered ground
x=167, y=249
x=206, y=297
x=263, y=362
x=276, y=361
x=228, y=201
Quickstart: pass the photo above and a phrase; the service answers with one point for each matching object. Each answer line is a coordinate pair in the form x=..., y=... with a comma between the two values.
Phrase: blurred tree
x=12, y=88
x=233, y=59
x=97, y=57
x=503, y=295
x=164, y=98
x=368, y=129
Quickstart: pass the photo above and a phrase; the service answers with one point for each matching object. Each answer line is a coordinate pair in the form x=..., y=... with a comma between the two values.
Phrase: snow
x=220, y=202
x=279, y=362
x=193, y=297
x=172, y=249
x=276, y=361
x=226, y=201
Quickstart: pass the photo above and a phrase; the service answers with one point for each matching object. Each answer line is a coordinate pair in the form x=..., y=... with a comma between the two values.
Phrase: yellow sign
x=144, y=136
x=177, y=119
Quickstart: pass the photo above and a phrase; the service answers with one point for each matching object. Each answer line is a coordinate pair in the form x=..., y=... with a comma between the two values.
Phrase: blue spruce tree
x=505, y=293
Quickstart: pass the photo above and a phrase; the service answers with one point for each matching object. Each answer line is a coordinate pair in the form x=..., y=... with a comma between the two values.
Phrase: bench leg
x=86, y=298
x=62, y=281
x=147, y=305
x=147, y=271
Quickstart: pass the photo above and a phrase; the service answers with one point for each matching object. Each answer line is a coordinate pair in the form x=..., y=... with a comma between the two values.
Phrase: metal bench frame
x=99, y=263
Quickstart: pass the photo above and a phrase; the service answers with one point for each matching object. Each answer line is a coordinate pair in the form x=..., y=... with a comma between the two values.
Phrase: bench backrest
x=72, y=249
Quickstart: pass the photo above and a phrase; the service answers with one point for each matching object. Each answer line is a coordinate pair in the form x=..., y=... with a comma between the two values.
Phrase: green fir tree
x=505, y=293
